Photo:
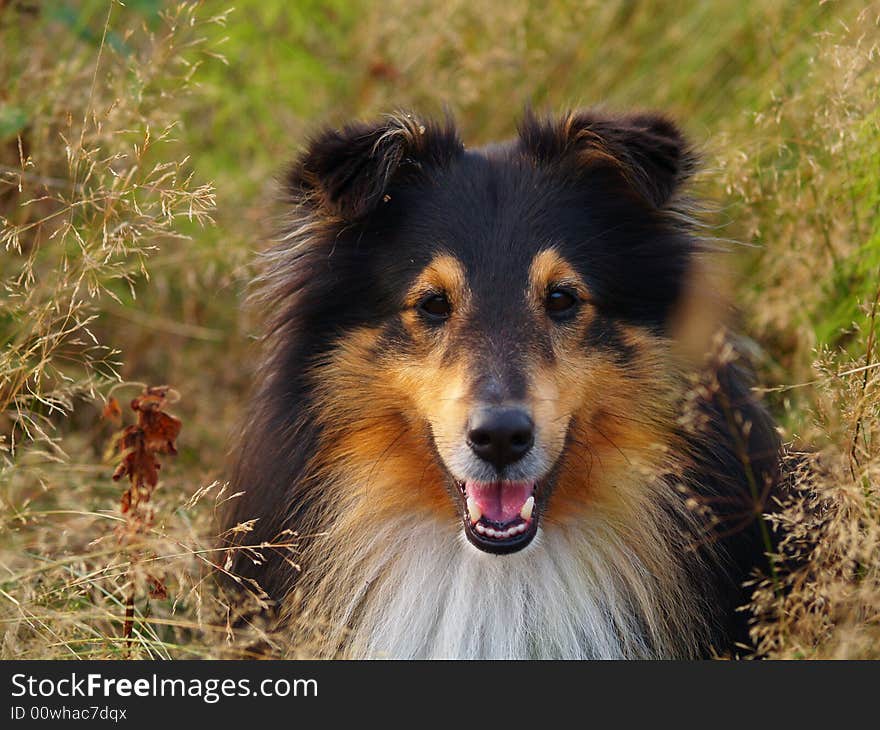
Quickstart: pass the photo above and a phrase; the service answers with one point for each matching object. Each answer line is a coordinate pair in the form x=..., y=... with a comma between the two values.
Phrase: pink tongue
x=500, y=501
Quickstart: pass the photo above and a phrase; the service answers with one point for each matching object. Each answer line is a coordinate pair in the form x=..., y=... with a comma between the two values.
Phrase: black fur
x=351, y=170
x=382, y=198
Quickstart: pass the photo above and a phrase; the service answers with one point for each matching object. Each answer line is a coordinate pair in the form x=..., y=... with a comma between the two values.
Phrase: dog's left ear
x=646, y=150
x=346, y=173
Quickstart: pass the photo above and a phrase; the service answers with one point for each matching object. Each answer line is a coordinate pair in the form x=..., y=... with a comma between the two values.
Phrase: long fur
x=414, y=588
x=654, y=529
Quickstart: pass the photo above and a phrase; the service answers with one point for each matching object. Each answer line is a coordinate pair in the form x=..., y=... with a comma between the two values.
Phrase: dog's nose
x=501, y=435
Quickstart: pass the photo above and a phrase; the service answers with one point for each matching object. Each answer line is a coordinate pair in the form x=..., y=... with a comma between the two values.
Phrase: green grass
x=781, y=96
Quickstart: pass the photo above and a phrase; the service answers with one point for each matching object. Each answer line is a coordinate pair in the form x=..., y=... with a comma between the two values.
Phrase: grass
x=139, y=146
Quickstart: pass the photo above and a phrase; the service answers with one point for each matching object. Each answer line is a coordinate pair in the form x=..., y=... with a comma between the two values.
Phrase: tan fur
x=387, y=498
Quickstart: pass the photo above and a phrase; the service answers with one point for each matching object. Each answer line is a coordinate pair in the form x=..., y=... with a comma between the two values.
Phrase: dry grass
x=111, y=122
x=92, y=187
x=808, y=192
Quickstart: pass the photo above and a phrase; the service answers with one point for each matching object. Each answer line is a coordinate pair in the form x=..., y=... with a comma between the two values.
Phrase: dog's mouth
x=499, y=517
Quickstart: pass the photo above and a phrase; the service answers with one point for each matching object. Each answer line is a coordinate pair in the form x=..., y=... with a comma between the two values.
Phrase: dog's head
x=486, y=333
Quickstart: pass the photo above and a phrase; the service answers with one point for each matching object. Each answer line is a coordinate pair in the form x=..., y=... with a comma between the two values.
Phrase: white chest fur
x=569, y=595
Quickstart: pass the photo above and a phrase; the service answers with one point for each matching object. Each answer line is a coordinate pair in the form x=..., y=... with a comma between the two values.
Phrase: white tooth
x=473, y=510
x=481, y=529
x=491, y=533
x=526, y=511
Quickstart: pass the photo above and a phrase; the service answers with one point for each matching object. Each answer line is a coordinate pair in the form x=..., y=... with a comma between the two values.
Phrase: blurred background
x=139, y=150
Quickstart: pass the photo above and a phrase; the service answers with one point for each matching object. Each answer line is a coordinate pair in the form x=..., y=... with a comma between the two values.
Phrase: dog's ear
x=347, y=173
x=648, y=151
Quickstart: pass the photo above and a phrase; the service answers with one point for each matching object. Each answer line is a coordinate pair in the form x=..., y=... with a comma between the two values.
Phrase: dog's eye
x=561, y=303
x=436, y=307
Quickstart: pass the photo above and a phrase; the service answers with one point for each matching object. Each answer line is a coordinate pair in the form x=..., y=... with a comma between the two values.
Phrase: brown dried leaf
x=160, y=430
x=112, y=412
x=139, y=445
x=156, y=587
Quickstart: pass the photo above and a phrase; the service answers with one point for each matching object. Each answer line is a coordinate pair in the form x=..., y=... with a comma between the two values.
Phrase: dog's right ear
x=347, y=173
x=647, y=151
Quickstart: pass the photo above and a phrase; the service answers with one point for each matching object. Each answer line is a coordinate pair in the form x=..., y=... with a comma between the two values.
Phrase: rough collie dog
x=476, y=409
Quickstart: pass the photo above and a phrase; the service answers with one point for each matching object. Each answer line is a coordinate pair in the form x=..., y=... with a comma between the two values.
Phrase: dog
x=477, y=408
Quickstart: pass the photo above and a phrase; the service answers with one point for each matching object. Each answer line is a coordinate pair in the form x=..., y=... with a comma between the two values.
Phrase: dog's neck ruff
x=421, y=591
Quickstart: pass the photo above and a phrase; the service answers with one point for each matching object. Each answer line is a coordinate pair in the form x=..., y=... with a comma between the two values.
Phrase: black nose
x=500, y=435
